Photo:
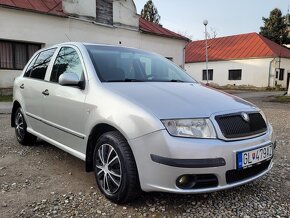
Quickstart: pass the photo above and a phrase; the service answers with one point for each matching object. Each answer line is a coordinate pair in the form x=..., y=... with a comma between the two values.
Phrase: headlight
x=191, y=128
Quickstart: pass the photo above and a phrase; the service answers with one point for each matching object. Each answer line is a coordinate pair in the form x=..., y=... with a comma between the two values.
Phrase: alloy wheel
x=19, y=126
x=108, y=167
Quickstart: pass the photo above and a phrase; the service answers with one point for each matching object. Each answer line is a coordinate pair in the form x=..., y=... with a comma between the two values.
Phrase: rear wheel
x=115, y=168
x=23, y=137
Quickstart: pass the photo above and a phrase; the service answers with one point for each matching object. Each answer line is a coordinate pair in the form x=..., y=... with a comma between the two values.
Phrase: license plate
x=251, y=157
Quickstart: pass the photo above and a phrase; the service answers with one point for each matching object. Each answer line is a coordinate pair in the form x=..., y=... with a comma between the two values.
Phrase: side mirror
x=70, y=79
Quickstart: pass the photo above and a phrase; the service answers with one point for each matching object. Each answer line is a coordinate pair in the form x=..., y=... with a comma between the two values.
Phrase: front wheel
x=115, y=168
x=23, y=137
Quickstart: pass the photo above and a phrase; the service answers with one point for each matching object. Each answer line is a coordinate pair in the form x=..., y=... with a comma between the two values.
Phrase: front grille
x=233, y=176
x=206, y=181
x=234, y=126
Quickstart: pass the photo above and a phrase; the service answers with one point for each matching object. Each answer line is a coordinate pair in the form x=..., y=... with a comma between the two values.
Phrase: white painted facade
x=85, y=8
x=259, y=72
x=20, y=25
x=123, y=15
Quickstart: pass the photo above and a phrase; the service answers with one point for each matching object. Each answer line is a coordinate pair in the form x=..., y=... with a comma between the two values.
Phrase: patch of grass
x=281, y=99
x=6, y=98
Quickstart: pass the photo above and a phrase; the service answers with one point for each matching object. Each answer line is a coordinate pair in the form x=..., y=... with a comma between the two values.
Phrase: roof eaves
x=231, y=59
x=61, y=14
x=163, y=35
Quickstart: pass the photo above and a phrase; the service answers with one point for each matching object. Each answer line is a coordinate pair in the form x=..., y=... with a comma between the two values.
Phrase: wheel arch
x=95, y=134
x=15, y=106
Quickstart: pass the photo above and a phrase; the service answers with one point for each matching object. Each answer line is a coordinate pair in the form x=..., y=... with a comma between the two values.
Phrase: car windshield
x=119, y=64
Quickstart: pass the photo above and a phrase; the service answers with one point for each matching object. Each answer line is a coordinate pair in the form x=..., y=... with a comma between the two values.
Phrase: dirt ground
x=43, y=181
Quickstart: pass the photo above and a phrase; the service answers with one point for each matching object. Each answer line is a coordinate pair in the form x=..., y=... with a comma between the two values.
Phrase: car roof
x=90, y=43
x=82, y=45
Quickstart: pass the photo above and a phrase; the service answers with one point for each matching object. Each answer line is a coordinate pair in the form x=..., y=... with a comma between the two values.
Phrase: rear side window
x=67, y=61
x=30, y=67
x=37, y=68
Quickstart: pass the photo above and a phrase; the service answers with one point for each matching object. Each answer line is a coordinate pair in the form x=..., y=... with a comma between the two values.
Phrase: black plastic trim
x=68, y=132
x=189, y=163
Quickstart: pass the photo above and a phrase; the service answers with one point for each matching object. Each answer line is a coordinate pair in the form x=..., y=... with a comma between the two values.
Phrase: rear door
x=63, y=108
x=32, y=87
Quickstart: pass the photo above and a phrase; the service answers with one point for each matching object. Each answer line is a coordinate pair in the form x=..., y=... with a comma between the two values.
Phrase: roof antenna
x=67, y=37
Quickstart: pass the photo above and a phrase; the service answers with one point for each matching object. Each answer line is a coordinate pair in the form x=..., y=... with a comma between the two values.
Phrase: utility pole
x=205, y=22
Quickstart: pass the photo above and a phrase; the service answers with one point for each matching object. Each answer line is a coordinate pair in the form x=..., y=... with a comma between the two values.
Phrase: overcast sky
x=227, y=17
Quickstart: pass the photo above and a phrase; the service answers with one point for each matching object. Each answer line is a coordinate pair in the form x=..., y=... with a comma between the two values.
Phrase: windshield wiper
x=176, y=81
x=125, y=80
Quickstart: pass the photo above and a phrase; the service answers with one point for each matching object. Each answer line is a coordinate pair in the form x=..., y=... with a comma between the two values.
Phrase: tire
x=115, y=168
x=23, y=137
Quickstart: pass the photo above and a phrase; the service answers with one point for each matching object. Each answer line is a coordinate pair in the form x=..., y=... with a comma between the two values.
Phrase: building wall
x=255, y=72
x=125, y=14
x=49, y=30
x=85, y=8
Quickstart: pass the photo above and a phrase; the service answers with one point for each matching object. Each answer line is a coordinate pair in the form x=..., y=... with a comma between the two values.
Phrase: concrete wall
x=49, y=30
x=255, y=72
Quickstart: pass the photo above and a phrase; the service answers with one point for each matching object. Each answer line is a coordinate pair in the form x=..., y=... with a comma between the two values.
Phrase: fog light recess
x=186, y=182
x=197, y=181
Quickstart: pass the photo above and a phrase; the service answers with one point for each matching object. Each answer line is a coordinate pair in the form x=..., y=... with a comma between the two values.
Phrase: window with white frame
x=210, y=74
x=235, y=74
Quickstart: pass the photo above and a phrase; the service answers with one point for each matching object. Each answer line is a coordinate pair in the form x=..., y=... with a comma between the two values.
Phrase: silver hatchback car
x=139, y=121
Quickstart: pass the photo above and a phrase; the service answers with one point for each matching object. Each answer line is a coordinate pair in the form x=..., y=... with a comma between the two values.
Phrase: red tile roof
x=156, y=29
x=55, y=7
x=251, y=45
x=42, y=6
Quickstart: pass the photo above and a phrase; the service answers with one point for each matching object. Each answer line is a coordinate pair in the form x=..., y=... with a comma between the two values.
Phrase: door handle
x=22, y=86
x=45, y=92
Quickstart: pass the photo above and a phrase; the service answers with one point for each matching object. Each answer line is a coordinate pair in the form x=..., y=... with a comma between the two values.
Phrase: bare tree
x=213, y=33
x=185, y=34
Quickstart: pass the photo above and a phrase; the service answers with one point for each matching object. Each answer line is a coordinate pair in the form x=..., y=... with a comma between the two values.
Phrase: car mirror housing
x=70, y=79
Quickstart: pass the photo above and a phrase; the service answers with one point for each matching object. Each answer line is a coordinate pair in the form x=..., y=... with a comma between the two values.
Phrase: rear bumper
x=161, y=159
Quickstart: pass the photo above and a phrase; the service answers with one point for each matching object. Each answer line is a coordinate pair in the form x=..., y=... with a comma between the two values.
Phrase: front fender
x=129, y=119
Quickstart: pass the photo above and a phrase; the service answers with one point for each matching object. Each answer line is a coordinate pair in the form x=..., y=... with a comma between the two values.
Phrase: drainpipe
x=270, y=68
x=288, y=93
x=183, y=64
x=184, y=49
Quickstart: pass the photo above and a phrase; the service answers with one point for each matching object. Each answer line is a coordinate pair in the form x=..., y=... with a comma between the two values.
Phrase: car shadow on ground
x=73, y=164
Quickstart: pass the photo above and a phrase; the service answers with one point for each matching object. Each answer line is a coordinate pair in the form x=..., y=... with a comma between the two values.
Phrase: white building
x=241, y=60
x=28, y=25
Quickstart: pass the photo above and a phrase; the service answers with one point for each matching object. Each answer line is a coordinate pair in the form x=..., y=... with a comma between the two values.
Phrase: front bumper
x=198, y=156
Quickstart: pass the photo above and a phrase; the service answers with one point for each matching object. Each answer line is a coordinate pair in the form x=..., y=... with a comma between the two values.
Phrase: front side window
x=235, y=74
x=15, y=55
x=40, y=65
x=117, y=64
x=67, y=61
x=210, y=74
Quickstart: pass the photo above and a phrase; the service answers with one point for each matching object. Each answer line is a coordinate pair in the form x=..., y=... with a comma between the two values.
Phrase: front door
x=63, y=107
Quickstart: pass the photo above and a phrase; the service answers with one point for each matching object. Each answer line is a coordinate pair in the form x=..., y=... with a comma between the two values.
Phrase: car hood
x=178, y=100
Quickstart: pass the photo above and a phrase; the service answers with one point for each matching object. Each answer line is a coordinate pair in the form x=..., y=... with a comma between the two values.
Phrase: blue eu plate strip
x=240, y=160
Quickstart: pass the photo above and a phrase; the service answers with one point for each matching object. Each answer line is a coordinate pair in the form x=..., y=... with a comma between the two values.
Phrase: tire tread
x=132, y=189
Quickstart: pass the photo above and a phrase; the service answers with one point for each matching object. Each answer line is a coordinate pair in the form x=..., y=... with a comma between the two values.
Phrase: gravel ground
x=43, y=181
